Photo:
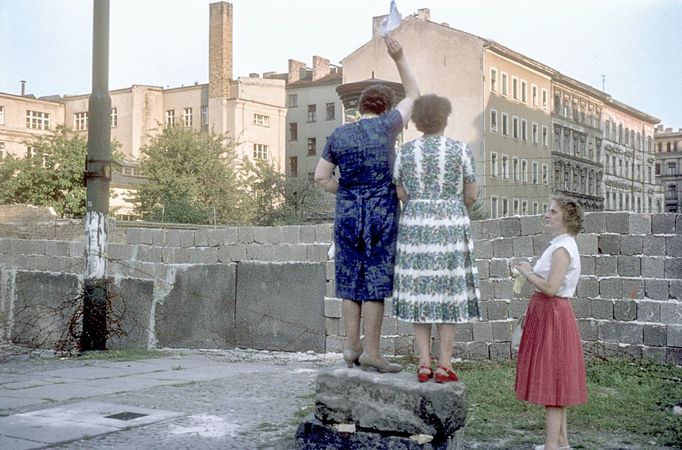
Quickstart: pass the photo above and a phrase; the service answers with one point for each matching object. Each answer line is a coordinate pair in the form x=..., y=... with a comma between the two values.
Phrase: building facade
x=668, y=151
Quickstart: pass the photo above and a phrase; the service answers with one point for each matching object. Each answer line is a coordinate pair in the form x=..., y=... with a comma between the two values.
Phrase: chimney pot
x=296, y=71
x=23, y=87
x=321, y=67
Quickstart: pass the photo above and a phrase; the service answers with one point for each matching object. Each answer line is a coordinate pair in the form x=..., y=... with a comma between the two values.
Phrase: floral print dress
x=436, y=278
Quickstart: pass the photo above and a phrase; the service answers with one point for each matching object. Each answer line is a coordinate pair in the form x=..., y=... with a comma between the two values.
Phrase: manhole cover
x=125, y=416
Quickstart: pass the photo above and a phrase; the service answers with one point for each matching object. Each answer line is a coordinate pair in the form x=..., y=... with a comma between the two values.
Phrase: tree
x=50, y=175
x=192, y=178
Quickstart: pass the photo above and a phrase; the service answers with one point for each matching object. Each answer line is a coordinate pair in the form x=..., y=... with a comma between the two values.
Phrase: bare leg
x=351, y=318
x=422, y=335
x=446, y=336
x=563, y=430
x=553, y=419
x=373, y=313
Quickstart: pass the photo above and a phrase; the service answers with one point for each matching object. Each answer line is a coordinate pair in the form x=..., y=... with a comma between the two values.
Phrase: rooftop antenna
x=603, y=82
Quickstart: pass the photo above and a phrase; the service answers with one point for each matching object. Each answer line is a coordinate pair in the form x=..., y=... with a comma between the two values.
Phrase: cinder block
x=123, y=252
x=146, y=236
x=330, y=288
x=154, y=254
x=654, y=354
x=631, y=333
x=671, y=312
x=172, y=238
x=323, y=233
x=609, y=332
x=648, y=311
x=510, y=226
x=609, y=244
x=531, y=225
x=490, y=229
x=464, y=332
x=610, y=287
x=588, y=287
x=675, y=287
x=330, y=270
x=482, y=331
x=245, y=235
x=201, y=237
x=215, y=237
x=624, y=310
x=673, y=355
x=617, y=222
x=631, y=245
x=502, y=330
x=331, y=326
x=261, y=252
x=523, y=246
x=582, y=307
x=500, y=350
x=629, y=266
x=633, y=289
x=186, y=238
x=317, y=252
x=230, y=235
x=518, y=307
x=606, y=266
x=476, y=229
x=237, y=252
x=203, y=255
x=486, y=288
x=663, y=223
x=589, y=329
x=602, y=309
x=540, y=243
x=261, y=235
x=483, y=249
x=639, y=224
x=588, y=265
x=674, y=335
x=498, y=310
x=332, y=307
x=656, y=289
x=673, y=268
x=333, y=344
x=158, y=237
x=587, y=244
x=275, y=235
x=499, y=268
x=77, y=249
x=307, y=234
x=477, y=350
x=502, y=248
x=503, y=289
x=654, y=245
x=482, y=266
x=673, y=245
x=133, y=235
x=594, y=222
x=653, y=267
x=678, y=224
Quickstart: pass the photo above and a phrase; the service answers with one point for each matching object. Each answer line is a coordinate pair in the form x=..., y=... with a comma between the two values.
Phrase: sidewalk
x=189, y=399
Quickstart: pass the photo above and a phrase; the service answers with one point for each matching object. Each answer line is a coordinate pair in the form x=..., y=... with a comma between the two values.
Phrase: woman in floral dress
x=436, y=279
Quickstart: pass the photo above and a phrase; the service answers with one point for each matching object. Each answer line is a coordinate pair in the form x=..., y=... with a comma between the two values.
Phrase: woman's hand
x=525, y=268
x=395, y=50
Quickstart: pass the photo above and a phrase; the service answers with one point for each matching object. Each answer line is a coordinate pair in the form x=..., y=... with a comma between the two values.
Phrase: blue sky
x=635, y=44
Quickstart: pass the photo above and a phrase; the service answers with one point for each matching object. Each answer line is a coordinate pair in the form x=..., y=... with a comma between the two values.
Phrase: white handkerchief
x=392, y=21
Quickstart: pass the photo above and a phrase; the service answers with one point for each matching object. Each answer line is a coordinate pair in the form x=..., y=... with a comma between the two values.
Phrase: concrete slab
x=10, y=443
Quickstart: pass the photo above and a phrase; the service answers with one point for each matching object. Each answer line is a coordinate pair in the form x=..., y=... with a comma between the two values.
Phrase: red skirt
x=550, y=369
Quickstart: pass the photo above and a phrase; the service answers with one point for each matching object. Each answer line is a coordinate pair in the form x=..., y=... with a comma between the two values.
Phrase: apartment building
x=668, y=151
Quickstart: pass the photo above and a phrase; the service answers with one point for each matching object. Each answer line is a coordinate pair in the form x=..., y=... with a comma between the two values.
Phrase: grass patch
x=122, y=355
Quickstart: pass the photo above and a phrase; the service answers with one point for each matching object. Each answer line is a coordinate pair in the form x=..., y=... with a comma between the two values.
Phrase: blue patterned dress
x=365, y=223
x=436, y=278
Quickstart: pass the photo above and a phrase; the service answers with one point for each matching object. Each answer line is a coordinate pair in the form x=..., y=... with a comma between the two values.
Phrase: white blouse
x=544, y=264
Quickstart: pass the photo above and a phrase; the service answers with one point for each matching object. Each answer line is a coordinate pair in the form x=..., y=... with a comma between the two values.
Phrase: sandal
x=450, y=375
x=424, y=373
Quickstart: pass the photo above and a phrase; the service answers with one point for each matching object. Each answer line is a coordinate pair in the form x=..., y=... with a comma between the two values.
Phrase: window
x=2, y=150
x=37, y=120
x=504, y=84
x=293, y=100
x=505, y=167
x=187, y=117
x=493, y=165
x=114, y=117
x=524, y=207
x=524, y=130
x=534, y=94
x=493, y=207
x=293, y=166
x=515, y=88
x=534, y=132
x=204, y=116
x=545, y=174
x=493, y=121
x=493, y=80
x=545, y=136
x=293, y=131
x=2, y=115
x=524, y=91
x=524, y=170
x=312, y=146
x=331, y=111
x=261, y=120
x=505, y=124
x=515, y=127
x=312, y=113
x=544, y=207
x=515, y=206
x=505, y=207
x=260, y=151
x=671, y=168
x=80, y=121
x=534, y=172
x=536, y=208
x=516, y=171
x=170, y=117
x=544, y=99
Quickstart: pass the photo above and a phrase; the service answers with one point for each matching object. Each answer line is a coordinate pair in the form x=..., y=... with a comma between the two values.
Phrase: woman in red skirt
x=550, y=370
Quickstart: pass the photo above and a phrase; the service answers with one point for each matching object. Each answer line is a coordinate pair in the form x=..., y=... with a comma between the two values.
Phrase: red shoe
x=424, y=374
x=450, y=375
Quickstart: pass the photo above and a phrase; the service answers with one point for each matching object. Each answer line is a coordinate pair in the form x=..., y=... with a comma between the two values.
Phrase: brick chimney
x=320, y=67
x=424, y=14
x=296, y=71
x=220, y=49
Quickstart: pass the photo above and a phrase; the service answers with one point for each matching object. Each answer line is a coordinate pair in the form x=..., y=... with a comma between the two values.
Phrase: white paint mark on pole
x=95, y=245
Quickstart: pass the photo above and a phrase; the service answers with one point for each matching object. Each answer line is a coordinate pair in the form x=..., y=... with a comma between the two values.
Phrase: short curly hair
x=430, y=113
x=376, y=99
x=572, y=213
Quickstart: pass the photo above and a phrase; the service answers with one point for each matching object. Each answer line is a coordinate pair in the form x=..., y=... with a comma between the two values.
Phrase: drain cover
x=125, y=416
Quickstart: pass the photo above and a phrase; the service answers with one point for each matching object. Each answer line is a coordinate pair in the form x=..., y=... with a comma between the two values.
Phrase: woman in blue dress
x=366, y=222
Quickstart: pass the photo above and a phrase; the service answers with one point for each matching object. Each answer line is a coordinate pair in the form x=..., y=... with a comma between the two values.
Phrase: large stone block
x=483, y=332
x=198, y=308
x=654, y=245
x=308, y=234
x=653, y=267
x=606, y=266
x=201, y=237
x=523, y=246
x=531, y=225
x=629, y=266
x=498, y=310
x=656, y=289
x=633, y=288
x=588, y=265
x=490, y=229
x=280, y=306
x=594, y=222
x=663, y=223
x=602, y=309
x=502, y=330
x=673, y=245
x=587, y=244
x=675, y=289
x=483, y=269
x=674, y=336
x=45, y=305
x=609, y=244
x=131, y=306
x=673, y=355
x=503, y=289
x=671, y=312
x=673, y=268
x=588, y=287
x=589, y=329
x=483, y=249
x=631, y=245
x=582, y=307
x=648, y=311
x=510, y=226
x=624, y=310
x=389, y=402
x=503, y=248
x=499, y=268
x=654, y=335
x=610, y=287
